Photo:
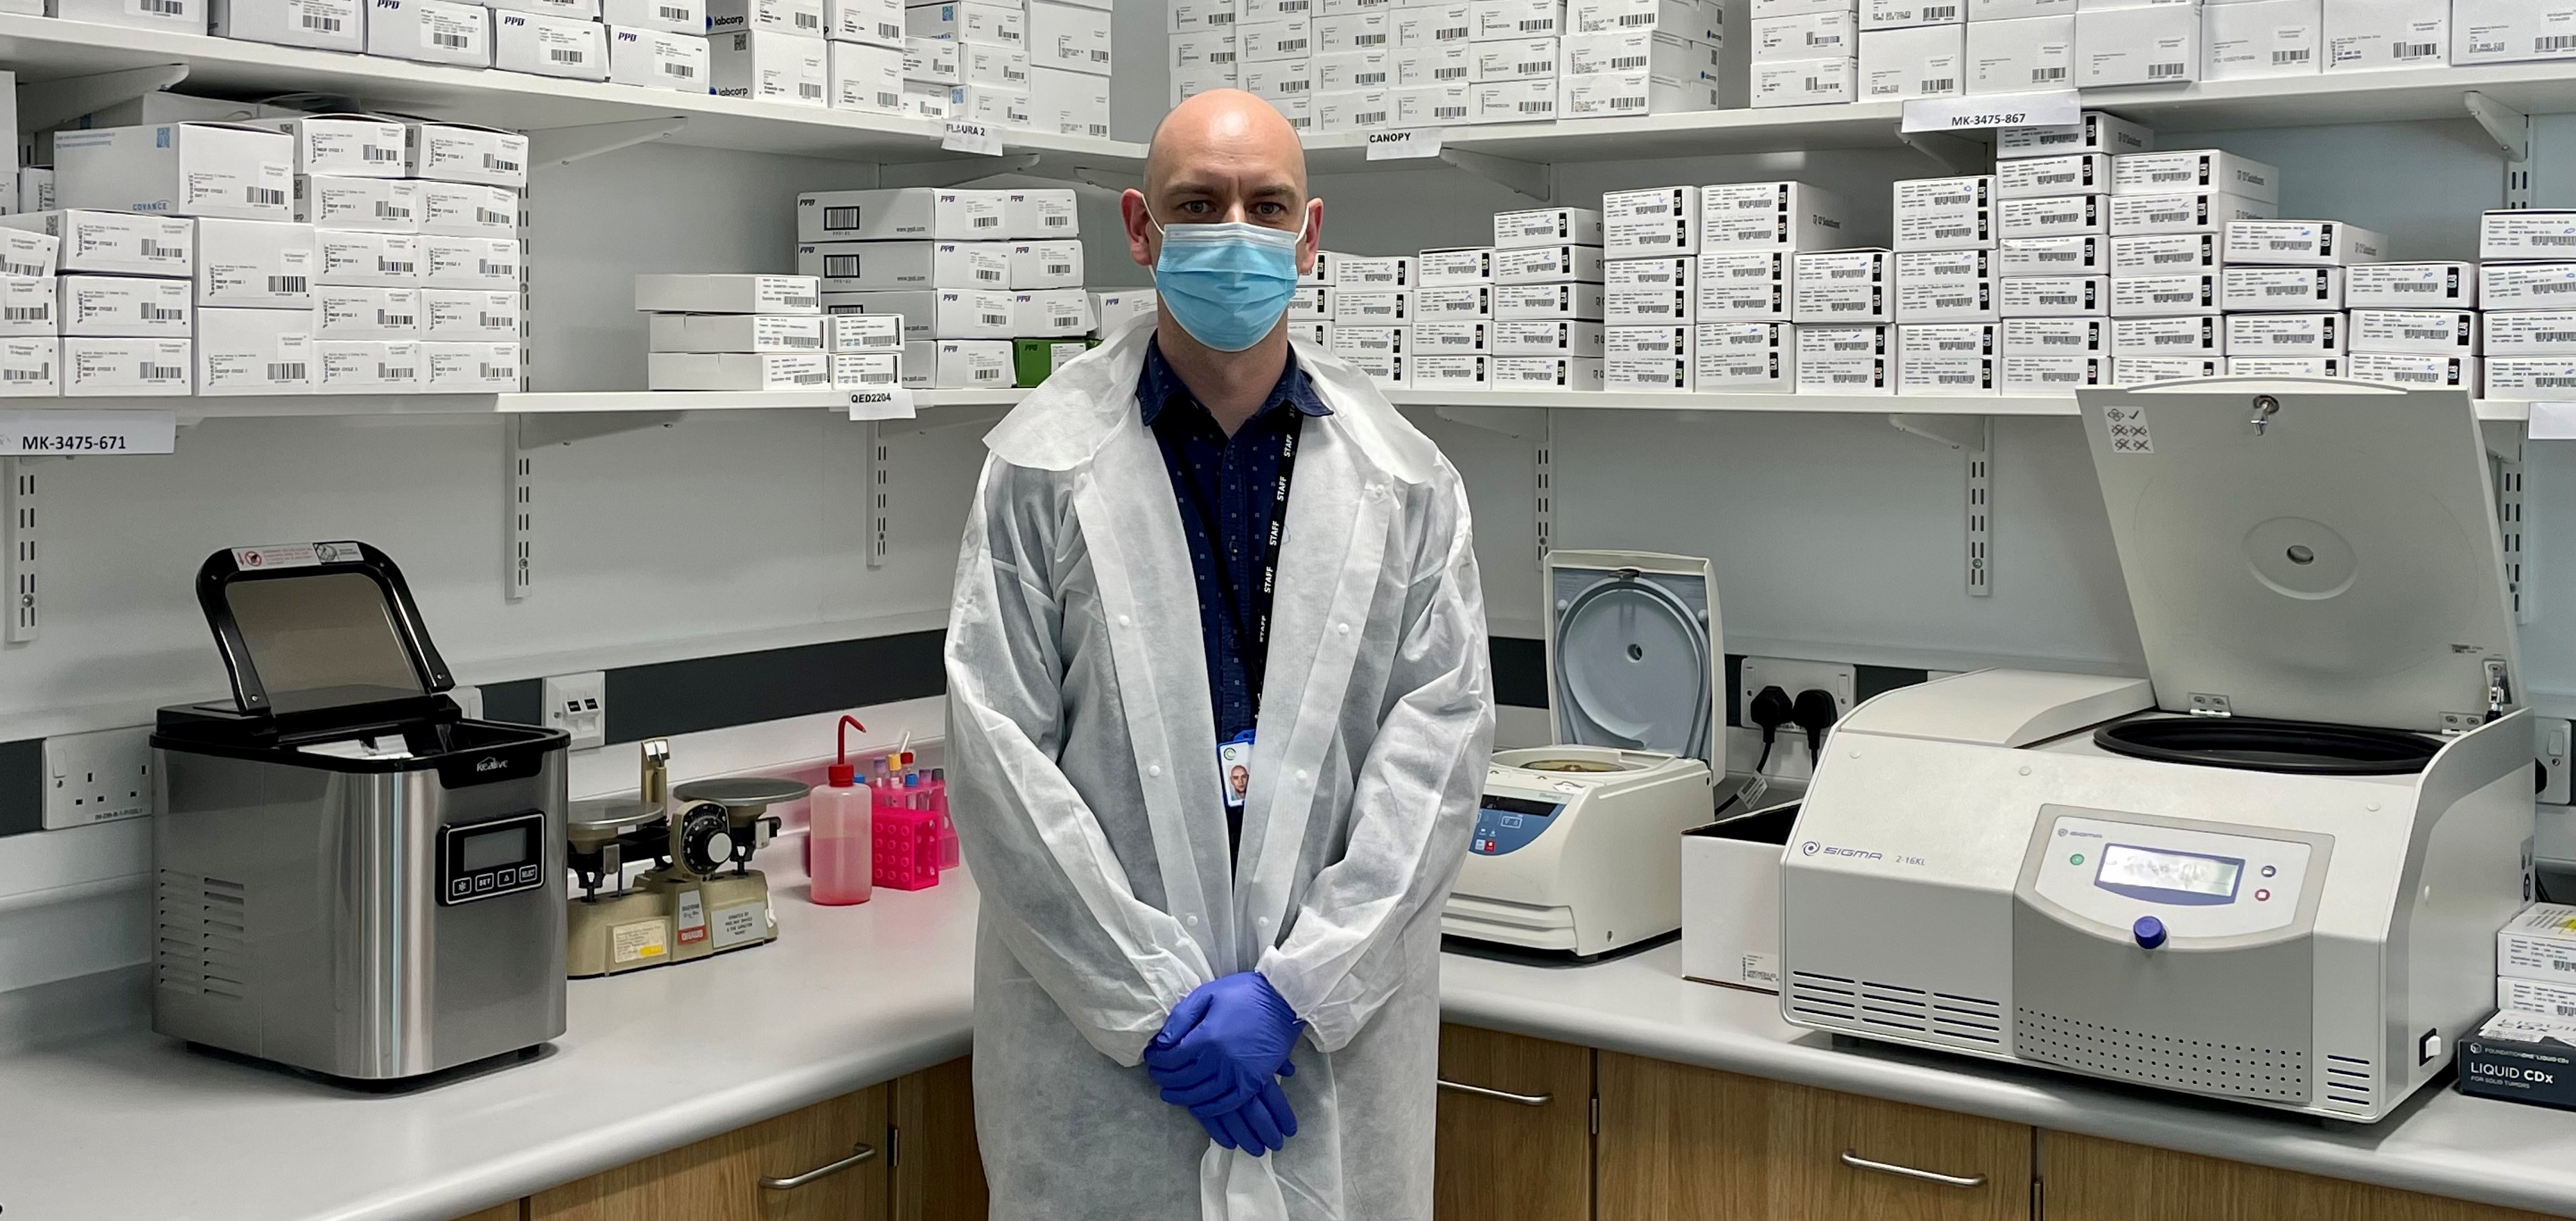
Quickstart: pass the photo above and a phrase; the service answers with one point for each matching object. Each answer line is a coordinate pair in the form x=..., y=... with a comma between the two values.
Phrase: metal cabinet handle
x=790, y=1184
x=1857, y=1162
x=1527, y=1100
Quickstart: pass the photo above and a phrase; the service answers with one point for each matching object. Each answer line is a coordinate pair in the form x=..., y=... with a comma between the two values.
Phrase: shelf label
x=2552, y=422
x=1402, y=145
x=891, y=403
x=961, y=137
x=66, y=433
x=2053, y=108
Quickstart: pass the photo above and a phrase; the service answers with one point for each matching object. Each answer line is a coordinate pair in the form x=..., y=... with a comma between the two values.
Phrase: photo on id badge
x=1234, y=769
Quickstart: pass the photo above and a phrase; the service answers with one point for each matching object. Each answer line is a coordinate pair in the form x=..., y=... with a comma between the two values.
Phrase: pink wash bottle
x=842, y=831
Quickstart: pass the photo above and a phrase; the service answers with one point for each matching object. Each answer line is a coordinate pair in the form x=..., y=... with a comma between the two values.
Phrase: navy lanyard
x=1251, y=616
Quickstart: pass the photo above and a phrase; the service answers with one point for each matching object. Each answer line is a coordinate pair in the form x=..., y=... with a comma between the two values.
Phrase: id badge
x=1234, y=770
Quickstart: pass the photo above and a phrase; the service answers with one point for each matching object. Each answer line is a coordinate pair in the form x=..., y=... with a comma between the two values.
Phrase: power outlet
x=578, y=705
x=95, y=777
x=1789, y=751
x=2554, y=748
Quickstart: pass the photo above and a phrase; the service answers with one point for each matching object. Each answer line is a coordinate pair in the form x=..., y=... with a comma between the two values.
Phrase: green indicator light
x=2076, y=859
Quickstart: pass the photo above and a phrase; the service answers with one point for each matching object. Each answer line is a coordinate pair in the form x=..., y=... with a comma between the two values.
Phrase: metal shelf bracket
x=1974, y=438
x=18, y=532
x=954, y=172
x=529, y=434
x=553, y=146
x=1954, y=154
x=50, y=104
x=1531, y=178
x=2508, y=127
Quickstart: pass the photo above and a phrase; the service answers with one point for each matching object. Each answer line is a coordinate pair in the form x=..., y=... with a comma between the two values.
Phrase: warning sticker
x=692, y=917
x=293, y=555
x=740, y=923
x=2129, y=430
x=640, y=940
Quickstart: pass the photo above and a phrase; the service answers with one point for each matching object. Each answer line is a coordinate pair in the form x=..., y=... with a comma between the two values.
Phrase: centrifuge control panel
x=2194, y=883
x=1507, y=824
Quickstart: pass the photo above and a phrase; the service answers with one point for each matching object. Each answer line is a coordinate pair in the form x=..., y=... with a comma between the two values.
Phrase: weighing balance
x=1576, y=847
x=701, y=897
x=2273, y=870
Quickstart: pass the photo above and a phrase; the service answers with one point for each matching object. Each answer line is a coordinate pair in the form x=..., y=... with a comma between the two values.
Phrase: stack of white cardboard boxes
x=2282, y=290
x=1358, y=65
x=2528, y=289
x=1547, y=300
x=2015, y=46
x=1753, y=238
x=1912, y=49
x=756, y=332
x=1805, y=52
x=2521, y=1054
x=1630, y=57
x=1650, y=288
x=1947, y=287
x=342, y=254
x=1041, y=64
x=1366, y=304
x=2079, y=249
x=986, y=282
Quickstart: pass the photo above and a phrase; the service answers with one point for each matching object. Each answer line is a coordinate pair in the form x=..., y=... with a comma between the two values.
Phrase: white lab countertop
x=124, y=1124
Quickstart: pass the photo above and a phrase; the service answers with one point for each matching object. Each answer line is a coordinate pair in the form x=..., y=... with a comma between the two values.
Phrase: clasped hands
x=1221, y=1055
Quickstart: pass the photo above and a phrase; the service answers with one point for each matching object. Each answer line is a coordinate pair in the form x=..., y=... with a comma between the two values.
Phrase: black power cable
x=1769, y=710
x=1815, y=711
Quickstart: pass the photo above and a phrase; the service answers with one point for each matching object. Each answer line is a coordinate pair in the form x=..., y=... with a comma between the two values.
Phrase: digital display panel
x=2185, y=872
x=508, y=846
x=1520, y=805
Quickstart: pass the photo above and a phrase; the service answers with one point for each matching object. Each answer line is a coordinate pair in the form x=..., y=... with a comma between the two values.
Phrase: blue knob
x=2149, y=931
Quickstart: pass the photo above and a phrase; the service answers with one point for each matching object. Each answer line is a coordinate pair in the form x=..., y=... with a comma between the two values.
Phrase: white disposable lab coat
x=1083, y=780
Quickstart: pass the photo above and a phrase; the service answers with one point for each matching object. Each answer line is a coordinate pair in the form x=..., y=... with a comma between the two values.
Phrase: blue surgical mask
x=1229, y=283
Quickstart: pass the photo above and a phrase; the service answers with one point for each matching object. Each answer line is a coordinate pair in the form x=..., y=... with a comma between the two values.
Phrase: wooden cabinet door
x=507, y=1210
x=744, y=1175
x=2087, y=1178
x=1679, y=1143
x=938, y=1170
x=1515, y=1136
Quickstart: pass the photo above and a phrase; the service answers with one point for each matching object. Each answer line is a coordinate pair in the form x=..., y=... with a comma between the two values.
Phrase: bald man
x=1205, y=547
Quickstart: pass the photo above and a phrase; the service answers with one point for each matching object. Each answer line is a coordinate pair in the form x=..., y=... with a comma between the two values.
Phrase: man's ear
x=1313, y=240
x=1132, y=213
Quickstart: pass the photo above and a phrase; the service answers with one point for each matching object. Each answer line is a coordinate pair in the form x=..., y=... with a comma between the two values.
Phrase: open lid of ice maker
x=309, y=627
x=1633, y=658
x=2309, y=549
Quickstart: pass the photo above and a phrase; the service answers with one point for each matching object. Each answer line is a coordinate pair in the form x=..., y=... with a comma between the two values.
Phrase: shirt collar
x=1157, y=386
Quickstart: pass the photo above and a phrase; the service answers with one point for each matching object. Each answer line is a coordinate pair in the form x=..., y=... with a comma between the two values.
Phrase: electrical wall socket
x=1789, y=749
x=2554, y=748
x=94, y=777
x=578, y=705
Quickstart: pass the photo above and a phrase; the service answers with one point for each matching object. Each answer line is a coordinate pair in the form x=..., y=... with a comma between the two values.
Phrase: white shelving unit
x=2401, y=95
x=611, y=402
x=47, y=51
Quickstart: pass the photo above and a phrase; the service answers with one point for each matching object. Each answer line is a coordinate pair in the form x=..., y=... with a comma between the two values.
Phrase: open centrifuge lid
x=317, y=628
x=2339, y=562
x=1633, y=651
